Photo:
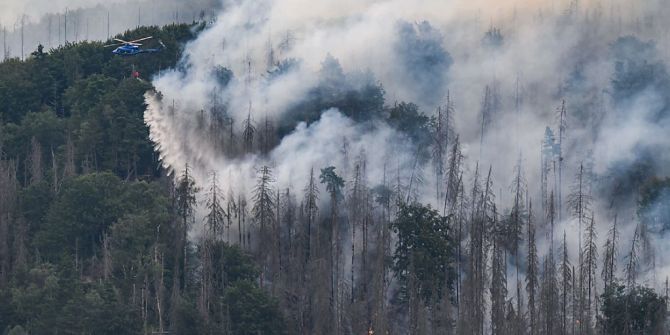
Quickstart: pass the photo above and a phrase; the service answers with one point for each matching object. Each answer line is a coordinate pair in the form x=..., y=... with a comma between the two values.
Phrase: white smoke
x=551, y=51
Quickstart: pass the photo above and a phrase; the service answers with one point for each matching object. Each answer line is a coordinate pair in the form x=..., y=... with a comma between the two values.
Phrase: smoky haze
x=25, y=24
x=530, y=56
x=13, y=10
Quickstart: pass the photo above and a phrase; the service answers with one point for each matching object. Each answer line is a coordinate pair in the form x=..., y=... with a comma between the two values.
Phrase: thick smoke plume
x=505, y=66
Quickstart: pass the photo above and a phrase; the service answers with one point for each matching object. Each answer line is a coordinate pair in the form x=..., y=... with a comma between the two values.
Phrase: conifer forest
x=344, y=167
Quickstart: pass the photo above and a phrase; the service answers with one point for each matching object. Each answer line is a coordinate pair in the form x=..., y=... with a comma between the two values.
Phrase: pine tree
x=532, y=273
x=460, y=220
x=215, y=218
x=579, y=202
x=590, y=265
x=566, y=272
x=610, y=256
x=416, y=179
x=356, y=211
x=289, y=217
x=562, y=127
x=383, y=251
x=548, y=161
x=249, y=132
x=185, y=196
x=263, y=210
x=498, y=280
x=516, y=221
x=549, y=297
x=267, y=140
x=334, y=184
x=442, y=132
x=469, y=302
x=480, y=219
x=230, y=215
x=185, y=203
x=454, y=172
x=518, y=211
x=438, y=151
x=311, y=211
x=549, y=290
x=632, y=259
x=276, y=243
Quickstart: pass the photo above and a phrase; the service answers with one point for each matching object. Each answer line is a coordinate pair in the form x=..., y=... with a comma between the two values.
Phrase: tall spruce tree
x=610, y=256
x=216, y=215
x=334, y=185
x=532, y=274
x=263, y=210
x=590, y=266
x=498, y=279
x=311, y=199
x=566, y=274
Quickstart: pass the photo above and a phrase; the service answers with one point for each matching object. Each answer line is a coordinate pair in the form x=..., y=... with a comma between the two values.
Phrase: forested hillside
x=89, y=221
x=342, y=170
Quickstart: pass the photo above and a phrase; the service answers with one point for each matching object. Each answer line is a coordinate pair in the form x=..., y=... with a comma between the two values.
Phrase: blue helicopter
x=132, y=48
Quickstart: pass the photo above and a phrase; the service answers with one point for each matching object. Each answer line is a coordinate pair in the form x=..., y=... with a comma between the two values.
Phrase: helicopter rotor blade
x=141, y=39
x=120, y=40
x=112, y=45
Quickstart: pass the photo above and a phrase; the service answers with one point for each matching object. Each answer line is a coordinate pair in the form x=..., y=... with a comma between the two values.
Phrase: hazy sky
x=11, y=10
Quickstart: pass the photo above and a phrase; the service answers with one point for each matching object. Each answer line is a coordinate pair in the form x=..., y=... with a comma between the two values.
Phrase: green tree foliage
x=185, y=198
x=252, y=311
x=34, y=203
x=637, y=310
x=85, y=92
x=92, y=248
x=407, y=119
x=424, y=250
x=237, y=303
x=334, y=183
x=48, y=301
x=87, y=206
x=97, y=238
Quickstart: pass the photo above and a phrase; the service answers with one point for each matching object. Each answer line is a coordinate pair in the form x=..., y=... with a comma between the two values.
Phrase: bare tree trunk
x=159, y=289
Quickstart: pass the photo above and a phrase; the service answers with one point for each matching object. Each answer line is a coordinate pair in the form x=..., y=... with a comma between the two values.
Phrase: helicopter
x=132, y=48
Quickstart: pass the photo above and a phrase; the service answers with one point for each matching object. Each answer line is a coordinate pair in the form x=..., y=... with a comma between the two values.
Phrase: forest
x=261, y=177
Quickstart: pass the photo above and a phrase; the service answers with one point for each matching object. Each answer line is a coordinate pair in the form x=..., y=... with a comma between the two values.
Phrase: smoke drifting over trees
x=567, y=102
x=339, y=167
